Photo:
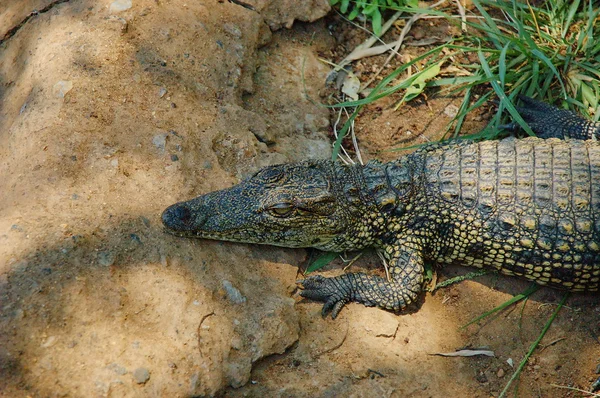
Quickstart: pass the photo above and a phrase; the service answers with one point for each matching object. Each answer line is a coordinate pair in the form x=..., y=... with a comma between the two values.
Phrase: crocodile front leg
x=405, y=282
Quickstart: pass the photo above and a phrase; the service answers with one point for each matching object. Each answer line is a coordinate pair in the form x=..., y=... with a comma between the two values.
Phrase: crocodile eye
x=281, y=209
x=269, y=175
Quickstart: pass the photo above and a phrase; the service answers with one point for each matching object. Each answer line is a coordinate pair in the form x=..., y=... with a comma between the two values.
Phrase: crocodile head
x=290, y=205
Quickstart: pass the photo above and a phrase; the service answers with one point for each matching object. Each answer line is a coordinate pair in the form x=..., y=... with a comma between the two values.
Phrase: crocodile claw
x=326, y=290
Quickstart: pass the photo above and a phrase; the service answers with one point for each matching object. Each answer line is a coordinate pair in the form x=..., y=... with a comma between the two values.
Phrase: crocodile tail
x=548, y=121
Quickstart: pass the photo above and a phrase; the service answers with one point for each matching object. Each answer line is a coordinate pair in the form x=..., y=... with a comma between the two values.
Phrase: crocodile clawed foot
x=326, y=290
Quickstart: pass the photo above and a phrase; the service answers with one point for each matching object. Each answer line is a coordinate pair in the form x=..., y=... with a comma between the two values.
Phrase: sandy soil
x=108, y=115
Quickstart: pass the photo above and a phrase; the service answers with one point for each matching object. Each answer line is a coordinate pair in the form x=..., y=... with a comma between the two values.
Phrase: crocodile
x=525, y=207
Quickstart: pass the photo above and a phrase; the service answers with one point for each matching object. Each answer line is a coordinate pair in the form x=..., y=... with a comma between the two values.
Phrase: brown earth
x=107, y=116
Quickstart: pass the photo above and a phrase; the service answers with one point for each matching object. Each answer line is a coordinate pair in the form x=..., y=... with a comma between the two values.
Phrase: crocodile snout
x=179, y=218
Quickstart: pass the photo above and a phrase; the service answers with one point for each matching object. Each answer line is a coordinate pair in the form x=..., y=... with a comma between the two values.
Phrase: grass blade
x=532, y=289
x=550, y=65
x=502, y=96
x=534, y=346
x=321, y=261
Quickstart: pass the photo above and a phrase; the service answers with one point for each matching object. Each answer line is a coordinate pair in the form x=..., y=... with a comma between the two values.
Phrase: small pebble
x=233, y=294
x=451, y=110
x=50, y=341
x=120, y=5
x=164, y=261
x=162, y=92
x=141, y=375
x=118, y=369
x=145, y=221
x=174, y=158
x=596, y=386
x=481, y=377
x=61, y=88
x=232, y=30
x=160, y=141
x=135, y=238
x=106, y=259
x=500, y=373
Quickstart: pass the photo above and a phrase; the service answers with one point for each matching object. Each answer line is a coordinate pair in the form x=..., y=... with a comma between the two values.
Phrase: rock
x=120, y=5
x=255, y=122
x=145, y=221
x=164, y=261
x=121, y=23
x=232, y=30
x=109, y=125
x=106, y=259
x=238, y=372
x=50, y=341
x=162, y=92
x=195, y=381
x=233, y=294
x=451, y=110
x=61, y=88
x=314, y=123
x=118, y=369
x=318, y=146
x=160, y=142
x=282, y=13
x=141, y=375
x=500, y=373
x=481, y=377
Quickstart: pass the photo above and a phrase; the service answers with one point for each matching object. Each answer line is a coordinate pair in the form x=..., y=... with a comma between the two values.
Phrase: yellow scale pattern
x=529, y=208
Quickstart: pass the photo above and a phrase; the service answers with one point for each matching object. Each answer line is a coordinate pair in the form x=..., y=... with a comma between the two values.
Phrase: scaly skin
x=550, y=122
x=529, y=208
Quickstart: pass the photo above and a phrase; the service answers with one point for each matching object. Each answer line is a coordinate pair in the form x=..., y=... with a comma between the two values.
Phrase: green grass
x=370, y=10
x=544, y=51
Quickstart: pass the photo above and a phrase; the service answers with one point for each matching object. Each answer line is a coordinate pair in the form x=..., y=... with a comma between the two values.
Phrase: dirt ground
x=112, y=110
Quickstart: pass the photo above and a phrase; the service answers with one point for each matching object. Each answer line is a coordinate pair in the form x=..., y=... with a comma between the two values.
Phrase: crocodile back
x=527, y=207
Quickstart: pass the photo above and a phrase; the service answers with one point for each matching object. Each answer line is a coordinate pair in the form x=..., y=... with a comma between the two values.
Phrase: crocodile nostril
x=177, y=217
x=183, y=214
